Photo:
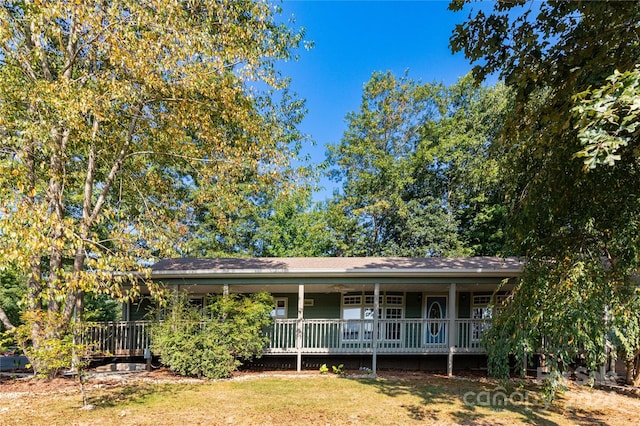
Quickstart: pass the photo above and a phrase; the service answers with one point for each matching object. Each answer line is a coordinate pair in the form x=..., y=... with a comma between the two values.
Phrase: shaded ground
x=395, y=398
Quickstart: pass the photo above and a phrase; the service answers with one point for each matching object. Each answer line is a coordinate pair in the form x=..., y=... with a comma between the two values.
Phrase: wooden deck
x=319, y=336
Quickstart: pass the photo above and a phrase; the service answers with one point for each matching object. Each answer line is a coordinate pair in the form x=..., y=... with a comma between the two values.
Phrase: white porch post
x=374, y=337
x=452, y=327
x=225, y=295
x=299, y=327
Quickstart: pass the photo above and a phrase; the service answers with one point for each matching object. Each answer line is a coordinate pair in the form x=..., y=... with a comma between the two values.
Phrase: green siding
x=464, y=305
x=413, y=305
x=325, y=305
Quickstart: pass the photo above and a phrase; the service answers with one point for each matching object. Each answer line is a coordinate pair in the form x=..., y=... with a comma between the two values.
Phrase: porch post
x=452, y=327
x=225, y=290
x=125, y=308
x=374, y=337
x=299, y=327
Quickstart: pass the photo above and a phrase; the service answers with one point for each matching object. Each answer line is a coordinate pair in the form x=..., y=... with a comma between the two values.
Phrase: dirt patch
x=35, y=386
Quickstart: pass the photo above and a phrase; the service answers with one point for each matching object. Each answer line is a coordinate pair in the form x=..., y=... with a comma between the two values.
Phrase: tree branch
x=35, y=38
x=71, y=47
x=116, y=165
x=185, y=157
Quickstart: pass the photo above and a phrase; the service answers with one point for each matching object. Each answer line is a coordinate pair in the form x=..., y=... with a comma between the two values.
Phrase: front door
x=436, y=312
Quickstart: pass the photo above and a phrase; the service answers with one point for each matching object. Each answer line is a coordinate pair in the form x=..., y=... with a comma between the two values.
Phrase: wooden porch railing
x=319, y=336
x=118, y=338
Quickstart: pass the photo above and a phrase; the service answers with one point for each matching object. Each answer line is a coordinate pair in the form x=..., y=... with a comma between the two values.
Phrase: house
x=324, y=307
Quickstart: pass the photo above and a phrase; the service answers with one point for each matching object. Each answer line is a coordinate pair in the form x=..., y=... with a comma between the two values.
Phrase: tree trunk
x=632, y=377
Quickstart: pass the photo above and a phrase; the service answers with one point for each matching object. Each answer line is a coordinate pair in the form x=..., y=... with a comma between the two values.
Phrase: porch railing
x=320, y=336
x=324, y=336
x=118, y=338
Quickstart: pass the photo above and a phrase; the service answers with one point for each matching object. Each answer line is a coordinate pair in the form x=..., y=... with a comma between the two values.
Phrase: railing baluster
x=319, y=336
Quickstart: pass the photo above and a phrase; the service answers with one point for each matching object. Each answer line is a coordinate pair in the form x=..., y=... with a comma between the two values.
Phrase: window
x=481, y=299
x=395, y=300
x=437, y=319
x=481, y=311
x=351, y=330
x=280, y=308
x=392, y=329
x=369, y=299
x=352, y=300
x=435, y=312
x=196, y=302
x=359, y=311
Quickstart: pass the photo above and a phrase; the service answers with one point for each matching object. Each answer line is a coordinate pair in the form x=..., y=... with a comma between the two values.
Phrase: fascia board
x=336, y=273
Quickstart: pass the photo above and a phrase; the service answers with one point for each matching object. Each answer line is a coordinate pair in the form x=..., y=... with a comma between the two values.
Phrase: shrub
x=214, y=341
x=55, y=351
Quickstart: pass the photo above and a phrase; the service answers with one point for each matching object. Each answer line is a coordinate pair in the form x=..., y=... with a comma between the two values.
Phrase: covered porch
x=343, y=306
x=442, y=319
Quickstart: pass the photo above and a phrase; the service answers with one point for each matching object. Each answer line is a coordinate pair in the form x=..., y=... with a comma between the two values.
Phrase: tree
x=116, y=119
x=419, y=178
x=571, y=66
x=373, y=157
x=293, y=227
x=458, y=162
x=279, y=222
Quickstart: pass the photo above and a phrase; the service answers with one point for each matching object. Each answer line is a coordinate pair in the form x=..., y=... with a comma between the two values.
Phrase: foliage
x=609, y=118
x=11, y=294
x=554, y=384
x=100, y=308
x=418, y=175
x=572, y=67
x=57, y=351
x=214, y=342
x=116, y=119
x=335, y=369
x=280, y=223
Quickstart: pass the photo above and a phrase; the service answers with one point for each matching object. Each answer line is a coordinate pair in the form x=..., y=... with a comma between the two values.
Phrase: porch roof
x=325, y=267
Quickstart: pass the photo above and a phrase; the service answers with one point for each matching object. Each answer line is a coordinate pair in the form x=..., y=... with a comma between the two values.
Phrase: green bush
x=214, y=341
x=53, y=351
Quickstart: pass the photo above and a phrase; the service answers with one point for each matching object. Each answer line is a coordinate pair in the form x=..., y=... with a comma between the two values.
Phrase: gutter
x=336, y=273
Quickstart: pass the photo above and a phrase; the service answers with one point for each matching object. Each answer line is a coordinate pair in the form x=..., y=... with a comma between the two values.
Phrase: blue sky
x=352, y=39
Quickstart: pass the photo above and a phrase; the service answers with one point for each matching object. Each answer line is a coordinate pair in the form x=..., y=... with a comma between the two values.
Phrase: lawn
x=289, y=399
